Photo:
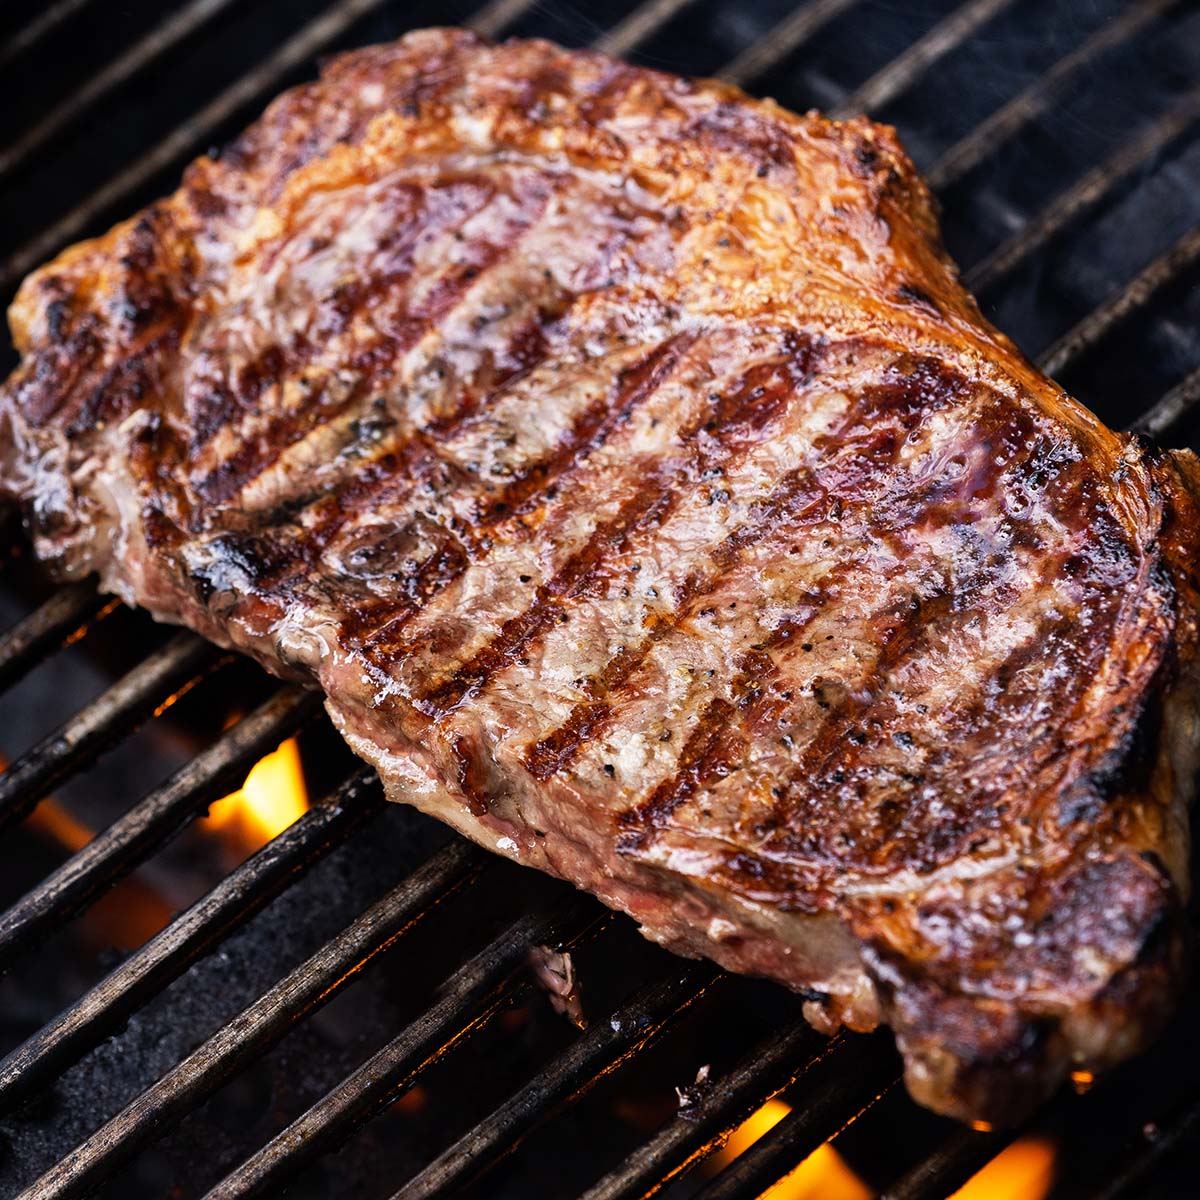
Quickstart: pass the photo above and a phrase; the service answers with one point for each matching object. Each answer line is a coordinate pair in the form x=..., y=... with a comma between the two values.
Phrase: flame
x=411, y=1102
x=272, y=797
x=1025, y=1171
x=126, y=917
x=823, y=1175
x=51, y=821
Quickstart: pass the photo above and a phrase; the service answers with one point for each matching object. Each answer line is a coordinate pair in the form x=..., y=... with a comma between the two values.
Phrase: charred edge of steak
x=990, y=1058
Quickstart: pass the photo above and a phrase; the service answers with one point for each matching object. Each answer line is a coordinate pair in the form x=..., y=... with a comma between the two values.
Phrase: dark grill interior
x=348, y=1011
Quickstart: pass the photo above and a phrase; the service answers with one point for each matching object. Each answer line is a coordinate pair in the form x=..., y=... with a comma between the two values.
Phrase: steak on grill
x=626, y=463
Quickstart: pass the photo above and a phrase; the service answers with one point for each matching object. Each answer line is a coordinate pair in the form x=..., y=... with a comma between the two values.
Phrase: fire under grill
x=233, y=1002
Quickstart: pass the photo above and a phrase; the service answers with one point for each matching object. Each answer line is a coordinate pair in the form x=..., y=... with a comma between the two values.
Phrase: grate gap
x=34, y=1064
x=153, y=821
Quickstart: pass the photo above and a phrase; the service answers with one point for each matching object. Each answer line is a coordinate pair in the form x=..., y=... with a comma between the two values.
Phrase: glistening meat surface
x=625, y=461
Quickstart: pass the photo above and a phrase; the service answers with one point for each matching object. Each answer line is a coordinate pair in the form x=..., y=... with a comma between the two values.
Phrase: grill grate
x=847, y=1084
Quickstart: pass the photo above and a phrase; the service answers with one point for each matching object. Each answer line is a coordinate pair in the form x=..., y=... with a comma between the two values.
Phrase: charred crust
x=470, y=776
x=971, y=1053
x=1125, y=770
x=918, y=297
x=57, y=317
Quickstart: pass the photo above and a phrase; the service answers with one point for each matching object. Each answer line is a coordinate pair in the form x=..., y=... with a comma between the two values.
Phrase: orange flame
x=126, y=917
x=272, y=797
x=51, y=821
x=823, y=1175
x=1025, y=1171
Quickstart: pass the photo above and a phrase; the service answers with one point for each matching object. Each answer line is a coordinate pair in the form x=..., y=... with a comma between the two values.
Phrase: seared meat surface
x=626, y=463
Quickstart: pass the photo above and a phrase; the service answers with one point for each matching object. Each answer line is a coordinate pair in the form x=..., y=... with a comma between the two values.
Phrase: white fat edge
x=474, y=129
x=721, y=929
x=305, y=636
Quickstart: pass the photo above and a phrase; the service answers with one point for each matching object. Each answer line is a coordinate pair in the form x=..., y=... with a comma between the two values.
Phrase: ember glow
x=1025, y=1171
x=272, y=797
x=126, y=917
x=823, y=1175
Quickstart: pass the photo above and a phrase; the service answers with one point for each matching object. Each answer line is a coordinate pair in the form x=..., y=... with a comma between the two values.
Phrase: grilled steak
x=626, y=463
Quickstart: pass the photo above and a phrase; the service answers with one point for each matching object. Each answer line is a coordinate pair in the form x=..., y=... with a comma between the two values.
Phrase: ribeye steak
x=625, y=461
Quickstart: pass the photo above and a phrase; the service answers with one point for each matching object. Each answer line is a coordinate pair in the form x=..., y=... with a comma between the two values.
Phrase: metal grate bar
x=678, y=1146
x=989, y=135
x=495, y=17
x=1162, y=1142
x=154, y=820
x=469, y=997
x=46, y=628
x=1084, y=196
x=645, y=21
x=193, y=133
x=606, y=1045
x=903, y=71
x=785, y=38
x=259, y=1026
x=50, y=19
x=950, y=1166
x=37, y=1061
x=141, y=54
x=1135, y=295
x=133, y=698
x=849, y=1077
x=1173, y=406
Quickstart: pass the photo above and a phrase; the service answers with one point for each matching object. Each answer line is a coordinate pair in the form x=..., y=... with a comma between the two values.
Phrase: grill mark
x=221, y=406
x=762, y=395
x=906, y=629
x=647, y=508
x=234, y=473
x=396, y=472
x=989, y=808
x=703, y=756
x=717, y=745
x=634, y=386
x=746, y=408
x=439, y=571
x=222, y=403
x=127, y=381
x=777, y=867
x=245, y=465
x=558, y=749
x=727, y=748
x=400, y=472
x=832, y=755
x=549, y=755
x=797, y=495
x=638, y=387
x=49, y=379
